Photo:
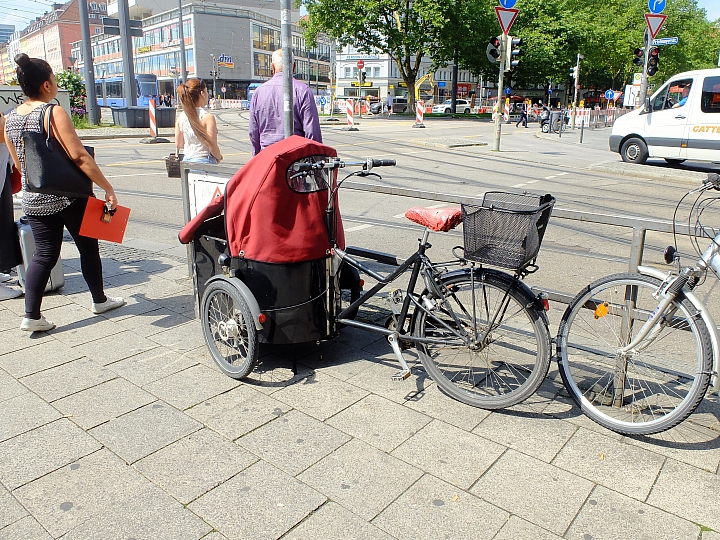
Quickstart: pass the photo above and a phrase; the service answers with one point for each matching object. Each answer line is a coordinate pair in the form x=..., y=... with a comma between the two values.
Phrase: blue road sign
x=507, y=3
x=609, y=94
x=323, y=101
x=508, y=90
x=549, y=91
x=656, y=6
x=666, y=41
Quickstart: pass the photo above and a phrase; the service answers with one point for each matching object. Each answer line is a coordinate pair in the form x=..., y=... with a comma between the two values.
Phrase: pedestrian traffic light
x=512, y=54
x=493, y=50
x=639, y=54
x=363, y=75
x=653, y=61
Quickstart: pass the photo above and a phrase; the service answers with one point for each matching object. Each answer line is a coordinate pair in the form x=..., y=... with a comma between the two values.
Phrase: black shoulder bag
x=48, y=168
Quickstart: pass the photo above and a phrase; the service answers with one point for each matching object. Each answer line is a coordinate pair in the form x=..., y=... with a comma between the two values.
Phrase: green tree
x=72, y=82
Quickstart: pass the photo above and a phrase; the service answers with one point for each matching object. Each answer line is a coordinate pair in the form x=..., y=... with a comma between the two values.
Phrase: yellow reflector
x=601, y=310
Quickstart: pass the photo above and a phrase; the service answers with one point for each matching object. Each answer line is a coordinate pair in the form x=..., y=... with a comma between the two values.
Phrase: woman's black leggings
x=48, y=233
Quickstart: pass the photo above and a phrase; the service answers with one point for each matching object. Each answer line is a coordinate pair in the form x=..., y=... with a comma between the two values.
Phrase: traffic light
x=573, y=75
x=363, y=74
x=492, y=51
x=639, y=54
x=512, y=54
x=653, y=61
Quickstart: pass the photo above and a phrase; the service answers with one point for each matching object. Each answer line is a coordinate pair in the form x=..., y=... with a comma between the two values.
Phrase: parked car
x=461, y=106
x=400, y=105
x=378, y=107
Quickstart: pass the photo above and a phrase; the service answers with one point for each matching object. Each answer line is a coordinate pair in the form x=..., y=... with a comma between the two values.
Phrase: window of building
x=376, y=71
x=103, y=7
x=355, y=72
x=347, y=72
x=93, y=6
x=262, y=64
x=98, y=30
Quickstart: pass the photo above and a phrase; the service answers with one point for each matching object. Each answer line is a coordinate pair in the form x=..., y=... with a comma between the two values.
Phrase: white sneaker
x=36, y=325
x=6, y=293
x=107, y=305
x=7, y=279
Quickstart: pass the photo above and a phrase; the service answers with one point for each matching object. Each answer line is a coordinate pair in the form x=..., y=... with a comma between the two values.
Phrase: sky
x=22, y=12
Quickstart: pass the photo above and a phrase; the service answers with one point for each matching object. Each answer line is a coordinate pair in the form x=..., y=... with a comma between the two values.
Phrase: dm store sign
x=226, y=61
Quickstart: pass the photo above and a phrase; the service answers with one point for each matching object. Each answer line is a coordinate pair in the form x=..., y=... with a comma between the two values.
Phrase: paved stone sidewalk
x=120, y=426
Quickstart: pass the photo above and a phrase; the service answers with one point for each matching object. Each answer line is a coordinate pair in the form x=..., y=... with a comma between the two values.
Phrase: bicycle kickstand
x=404, y=373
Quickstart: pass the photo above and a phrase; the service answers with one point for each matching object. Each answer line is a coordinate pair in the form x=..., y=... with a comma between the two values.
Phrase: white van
x=680, y=121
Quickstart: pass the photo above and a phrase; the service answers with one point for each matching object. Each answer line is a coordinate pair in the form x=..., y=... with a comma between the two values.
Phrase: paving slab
x=191, y=386
x=379, y=422
x=534, y=490
x=192, y=466
x=687, y=492
x=153, y=322
x=76, y=325
x=8, y=320
x=338, y=360
x=432, y=508
x=23, y=413
x=451, y=454
x=136, y=304
x=25, y=529
x=9, y=386
x=184, y=304
x=143, y=431
x=10, y=509
x=237, y=412
x=274, y=372
x=152, y=365
x=182, y=338
x=148, y=514
x=623, y=467
x=50, y=301
x=36, y=357
x=517, y=528
x=66, y=379
x=432, y=402
x=271, y=501
x=537, y=435
x=332, y=521
x=608, y=514
x=42, y=450
x=103, y=402
x=563, y=408
x=68, y=497
x=320, y=395
x=377, y=378
x=358, y=338
x=361, y=478
x=293, y=442
x=153, y=288
x=117, y=347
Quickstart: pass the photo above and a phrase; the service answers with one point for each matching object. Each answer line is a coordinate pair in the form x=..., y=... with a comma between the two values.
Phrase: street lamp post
x=577, y=84
x=175, y=72
x=214, y=75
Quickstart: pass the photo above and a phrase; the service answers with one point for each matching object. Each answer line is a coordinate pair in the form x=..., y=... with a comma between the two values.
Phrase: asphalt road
x=573, y=253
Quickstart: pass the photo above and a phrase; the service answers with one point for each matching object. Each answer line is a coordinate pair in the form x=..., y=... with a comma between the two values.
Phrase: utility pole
x=332, y=76
x=130, y=85
x=91, y=100
x=181, y=35
x=287, y=59
x=577, y=84
x=453, y=100
x=498, y=115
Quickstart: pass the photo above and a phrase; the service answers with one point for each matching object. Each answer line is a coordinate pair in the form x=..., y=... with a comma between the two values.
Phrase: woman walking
x=10, y=255
x=195, y=129
x=49, y=214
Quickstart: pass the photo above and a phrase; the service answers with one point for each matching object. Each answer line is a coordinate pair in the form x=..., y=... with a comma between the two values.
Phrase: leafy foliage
x=72, y=82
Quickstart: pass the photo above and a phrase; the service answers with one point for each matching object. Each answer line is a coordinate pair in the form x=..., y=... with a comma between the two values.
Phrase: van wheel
x=634, y=151
x=673, y=161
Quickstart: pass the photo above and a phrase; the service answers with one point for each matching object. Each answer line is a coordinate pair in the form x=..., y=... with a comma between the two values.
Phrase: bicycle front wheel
x=505, y=353
x=649, y=389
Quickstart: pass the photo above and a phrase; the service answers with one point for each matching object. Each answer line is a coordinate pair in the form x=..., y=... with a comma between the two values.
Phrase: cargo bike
x=271, y=265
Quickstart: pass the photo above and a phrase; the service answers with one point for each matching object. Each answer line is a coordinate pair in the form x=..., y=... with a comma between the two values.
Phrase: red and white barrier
x=350, y=112
x=153, y=121
x=506, y=114
x=419, y=111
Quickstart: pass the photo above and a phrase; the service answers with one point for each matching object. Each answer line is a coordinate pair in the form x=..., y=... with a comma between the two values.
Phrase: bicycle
x=481, y=334
x=637, y=351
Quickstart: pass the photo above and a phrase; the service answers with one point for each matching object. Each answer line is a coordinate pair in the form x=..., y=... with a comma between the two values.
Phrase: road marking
x=441, y=205
x=519, y=185
x=533, y=181
x=549, y=177
x=358, y=228
x=562, y=174
x=130, y=175
x=123, y=163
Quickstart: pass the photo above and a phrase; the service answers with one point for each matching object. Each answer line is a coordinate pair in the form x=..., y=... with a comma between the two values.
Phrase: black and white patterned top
x=33, y=204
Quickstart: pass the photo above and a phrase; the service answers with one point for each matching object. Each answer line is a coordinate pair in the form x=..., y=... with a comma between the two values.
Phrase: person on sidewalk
x=523, y=116
x=196, y=130
x=388, y=104
x=266, y=110
x=10, y=253
x=49, y=214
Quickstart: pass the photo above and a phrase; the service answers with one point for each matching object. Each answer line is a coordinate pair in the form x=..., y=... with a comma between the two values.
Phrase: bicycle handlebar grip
x=383, y=162
x=714, y=179
x=303, y=167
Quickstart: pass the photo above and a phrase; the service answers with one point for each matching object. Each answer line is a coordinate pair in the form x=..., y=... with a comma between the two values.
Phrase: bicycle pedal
x=401, y=375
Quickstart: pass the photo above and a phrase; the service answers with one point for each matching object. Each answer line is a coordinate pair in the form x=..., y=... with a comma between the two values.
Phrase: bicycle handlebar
x=712, y=180
x=383, y=163
x=336, y=163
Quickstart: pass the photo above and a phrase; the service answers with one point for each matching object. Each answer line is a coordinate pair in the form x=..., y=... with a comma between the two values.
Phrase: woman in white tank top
x=195, y=129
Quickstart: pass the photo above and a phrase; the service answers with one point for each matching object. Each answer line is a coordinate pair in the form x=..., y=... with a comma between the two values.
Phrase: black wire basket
x=507, y=230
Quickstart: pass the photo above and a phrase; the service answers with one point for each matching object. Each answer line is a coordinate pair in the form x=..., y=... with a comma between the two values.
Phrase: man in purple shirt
x=266, y=110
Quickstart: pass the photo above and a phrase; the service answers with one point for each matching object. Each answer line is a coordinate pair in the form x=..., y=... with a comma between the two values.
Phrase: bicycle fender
x=245, y=293
x=507, y=278
x=704, y=314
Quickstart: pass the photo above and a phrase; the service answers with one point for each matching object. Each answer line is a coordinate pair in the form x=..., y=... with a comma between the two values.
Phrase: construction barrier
x=153, y=121
x=419, y=111
x=506, y=114
x=350, y=111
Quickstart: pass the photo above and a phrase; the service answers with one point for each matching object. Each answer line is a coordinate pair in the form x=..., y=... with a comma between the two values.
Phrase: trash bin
x=131, y=117
x=165, y=117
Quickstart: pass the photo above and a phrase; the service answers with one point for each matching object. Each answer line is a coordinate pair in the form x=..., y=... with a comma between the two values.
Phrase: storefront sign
x=146, y=48
x=226, y=61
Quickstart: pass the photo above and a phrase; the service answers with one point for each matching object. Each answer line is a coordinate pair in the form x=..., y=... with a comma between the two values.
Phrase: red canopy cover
x=267, y=221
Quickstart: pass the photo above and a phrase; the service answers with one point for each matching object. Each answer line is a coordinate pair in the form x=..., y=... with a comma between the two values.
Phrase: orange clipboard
x=96, y=224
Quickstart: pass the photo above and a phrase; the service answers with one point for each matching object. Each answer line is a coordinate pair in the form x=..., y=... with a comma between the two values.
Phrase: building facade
x=6, y=30
x=235, y=42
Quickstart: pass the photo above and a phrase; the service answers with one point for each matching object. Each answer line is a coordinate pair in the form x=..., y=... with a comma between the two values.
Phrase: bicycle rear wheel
x=505, y=367
x=646, y=391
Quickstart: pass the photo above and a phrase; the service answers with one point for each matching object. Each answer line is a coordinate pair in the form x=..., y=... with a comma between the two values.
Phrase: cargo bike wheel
x=229, y=330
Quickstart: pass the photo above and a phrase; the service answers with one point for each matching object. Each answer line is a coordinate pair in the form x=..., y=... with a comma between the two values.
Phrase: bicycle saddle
x=436, y=219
